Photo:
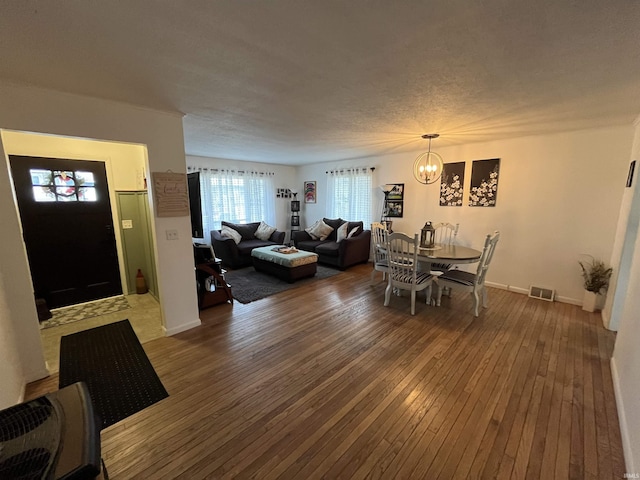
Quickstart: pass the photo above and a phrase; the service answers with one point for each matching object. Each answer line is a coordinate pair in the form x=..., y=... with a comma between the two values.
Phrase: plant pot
x=590, y=301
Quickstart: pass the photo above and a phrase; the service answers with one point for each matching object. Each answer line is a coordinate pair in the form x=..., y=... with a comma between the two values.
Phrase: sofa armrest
x=225, y=248
x=277, y=237
x=355, y=249
x=299, y=236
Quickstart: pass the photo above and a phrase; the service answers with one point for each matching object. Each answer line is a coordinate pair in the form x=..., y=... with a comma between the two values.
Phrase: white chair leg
x=414, y=294
x=387, y=294
x=476, y=302
x=373, y=277
x=438, y=295
x=485, y=302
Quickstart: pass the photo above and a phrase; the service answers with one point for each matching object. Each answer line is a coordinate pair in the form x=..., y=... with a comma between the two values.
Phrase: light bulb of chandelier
x=428, y=168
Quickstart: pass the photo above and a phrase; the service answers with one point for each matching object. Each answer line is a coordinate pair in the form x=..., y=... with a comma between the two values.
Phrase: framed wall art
x=396, y=194
x=310, y=192
x=394, y=205
x=394, y=209
x=452, y=184
x=484, y=183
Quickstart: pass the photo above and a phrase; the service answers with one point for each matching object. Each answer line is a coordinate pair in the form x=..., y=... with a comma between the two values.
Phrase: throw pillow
x=342, y=232
x=228, y=232
x=319, y=230
x=334, y=223
x=264, y=231
x=247, y=231
x=354, y=231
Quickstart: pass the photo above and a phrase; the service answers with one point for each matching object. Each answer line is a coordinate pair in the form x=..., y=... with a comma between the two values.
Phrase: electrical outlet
x=172, y=234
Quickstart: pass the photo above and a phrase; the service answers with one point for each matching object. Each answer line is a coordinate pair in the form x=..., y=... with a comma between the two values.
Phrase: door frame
x=23, y=181
x=69, y=154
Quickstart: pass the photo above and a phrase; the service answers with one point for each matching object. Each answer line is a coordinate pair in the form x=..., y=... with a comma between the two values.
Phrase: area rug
x=74, y=313
x=247, y=285
x=115, y=367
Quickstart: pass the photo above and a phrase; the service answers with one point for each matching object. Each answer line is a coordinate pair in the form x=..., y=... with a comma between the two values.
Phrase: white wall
x=623, y=247
x=284, y=177
x=41, y=111
x=625, y=315
x=21, y=354
x=558, y=197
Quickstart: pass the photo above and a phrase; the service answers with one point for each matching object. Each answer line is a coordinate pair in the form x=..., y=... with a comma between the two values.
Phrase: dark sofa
x=239, y=255
x=343, y=254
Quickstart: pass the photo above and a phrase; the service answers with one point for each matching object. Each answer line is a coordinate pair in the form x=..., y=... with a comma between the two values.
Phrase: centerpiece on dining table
x=428, y=236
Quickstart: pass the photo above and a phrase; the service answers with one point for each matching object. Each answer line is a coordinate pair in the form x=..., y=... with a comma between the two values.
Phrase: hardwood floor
x=323, y=381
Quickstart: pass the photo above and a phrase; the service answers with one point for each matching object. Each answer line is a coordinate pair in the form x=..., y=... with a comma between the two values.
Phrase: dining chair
x=471, y=282
x=379, y=250
x=444, y=233
x=402, y=255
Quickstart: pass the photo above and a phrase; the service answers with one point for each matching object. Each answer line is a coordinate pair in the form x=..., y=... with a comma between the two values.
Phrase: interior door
x=68, y=229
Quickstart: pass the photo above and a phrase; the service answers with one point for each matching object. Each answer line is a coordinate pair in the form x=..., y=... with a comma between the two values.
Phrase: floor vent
x=541, y=293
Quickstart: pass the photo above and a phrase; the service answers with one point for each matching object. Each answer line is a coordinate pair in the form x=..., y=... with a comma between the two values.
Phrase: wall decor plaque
x=170, y=194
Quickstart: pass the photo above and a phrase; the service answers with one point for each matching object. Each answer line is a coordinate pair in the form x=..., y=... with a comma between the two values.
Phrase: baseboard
x=606, y=320
x=624, y=431
x=572, y=301
x=181, y=328
x=38, y=375
x=525, y=291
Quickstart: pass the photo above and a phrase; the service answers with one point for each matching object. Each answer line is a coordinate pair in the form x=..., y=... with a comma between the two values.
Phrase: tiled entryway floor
x=144, y=316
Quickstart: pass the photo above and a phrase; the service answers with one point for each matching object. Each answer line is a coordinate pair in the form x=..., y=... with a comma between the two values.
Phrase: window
x=349, y=194
x=236, y=197
x=62, y=186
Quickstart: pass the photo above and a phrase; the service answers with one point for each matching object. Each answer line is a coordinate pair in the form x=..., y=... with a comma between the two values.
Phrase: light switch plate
x=126, y=224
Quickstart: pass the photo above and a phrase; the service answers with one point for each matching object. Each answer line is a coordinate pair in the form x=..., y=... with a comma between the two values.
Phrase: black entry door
x=68, y=229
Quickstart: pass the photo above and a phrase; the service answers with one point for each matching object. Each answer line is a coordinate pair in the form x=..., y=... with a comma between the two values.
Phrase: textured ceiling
x=303, y=81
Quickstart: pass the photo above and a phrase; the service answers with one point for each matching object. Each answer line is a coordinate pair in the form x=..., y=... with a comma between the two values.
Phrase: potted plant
x=596, y=277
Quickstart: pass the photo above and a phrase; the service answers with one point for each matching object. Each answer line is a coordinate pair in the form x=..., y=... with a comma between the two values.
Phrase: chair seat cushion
x=441, y=267
x=458, y=276
x=421, y=277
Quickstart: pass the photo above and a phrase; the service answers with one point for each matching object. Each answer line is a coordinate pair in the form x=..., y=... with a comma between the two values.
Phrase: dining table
x=448, y=253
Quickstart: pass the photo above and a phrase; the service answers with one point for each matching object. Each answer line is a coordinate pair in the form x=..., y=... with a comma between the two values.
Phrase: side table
x=213, y=289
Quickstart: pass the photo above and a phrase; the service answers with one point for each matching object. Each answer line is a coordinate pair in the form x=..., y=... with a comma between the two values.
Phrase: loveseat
x=235, y=250
x=341, y=248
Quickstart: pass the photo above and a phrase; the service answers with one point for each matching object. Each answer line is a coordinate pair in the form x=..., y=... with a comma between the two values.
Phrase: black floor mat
x=113, y=364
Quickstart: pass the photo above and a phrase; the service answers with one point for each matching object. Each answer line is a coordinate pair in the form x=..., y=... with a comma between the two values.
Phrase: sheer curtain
x=349, y=194
x=236, y=196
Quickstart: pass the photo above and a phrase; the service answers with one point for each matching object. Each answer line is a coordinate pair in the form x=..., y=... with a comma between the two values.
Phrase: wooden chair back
x=446, y=233
x=487, y=255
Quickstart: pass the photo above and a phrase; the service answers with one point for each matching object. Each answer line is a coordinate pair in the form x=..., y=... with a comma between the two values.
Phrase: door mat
x=115, y=367
x=74, y=313
x=247, y=285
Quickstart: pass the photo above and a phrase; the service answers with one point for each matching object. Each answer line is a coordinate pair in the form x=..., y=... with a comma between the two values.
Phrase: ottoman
x=285, y=266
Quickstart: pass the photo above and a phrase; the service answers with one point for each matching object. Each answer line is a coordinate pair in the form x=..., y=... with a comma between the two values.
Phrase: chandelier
x=427, y=168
